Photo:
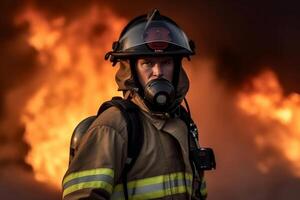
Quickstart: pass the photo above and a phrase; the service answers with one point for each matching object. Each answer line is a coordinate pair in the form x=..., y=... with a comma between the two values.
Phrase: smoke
x=241, y=37
x=232, y=135
x=17, y=62
x=16, y=183
x=17, y=68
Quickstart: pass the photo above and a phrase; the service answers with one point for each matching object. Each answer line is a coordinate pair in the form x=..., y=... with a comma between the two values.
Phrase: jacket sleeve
x=203, y=189
x=96, y=166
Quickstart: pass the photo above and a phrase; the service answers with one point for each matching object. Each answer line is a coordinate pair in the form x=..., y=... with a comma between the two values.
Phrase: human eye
x=147, y=63
x=167, y=62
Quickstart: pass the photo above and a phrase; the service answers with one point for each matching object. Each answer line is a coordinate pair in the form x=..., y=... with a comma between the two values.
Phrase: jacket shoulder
x=111, y=117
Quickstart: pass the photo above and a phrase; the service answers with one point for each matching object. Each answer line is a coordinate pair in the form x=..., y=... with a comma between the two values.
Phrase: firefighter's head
x=150, y=50
x=151, y=68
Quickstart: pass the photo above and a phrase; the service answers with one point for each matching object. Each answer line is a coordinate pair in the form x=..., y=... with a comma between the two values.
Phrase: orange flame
x=74, y=82
x=265, y=100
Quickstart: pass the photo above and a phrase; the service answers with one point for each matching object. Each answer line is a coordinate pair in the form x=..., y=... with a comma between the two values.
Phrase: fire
x=73, y=81
x=263, y=98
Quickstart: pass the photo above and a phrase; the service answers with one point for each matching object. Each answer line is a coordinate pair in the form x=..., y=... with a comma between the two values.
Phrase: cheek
x=143, y=76
x=168, y=72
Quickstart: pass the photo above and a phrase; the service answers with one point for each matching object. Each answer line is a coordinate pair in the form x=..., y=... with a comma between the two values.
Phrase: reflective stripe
x=189, y=177
x=105, y=178
x=155, y=187
x=94, y=184
x=97, y=171
x=203, y=189
x=95, y=178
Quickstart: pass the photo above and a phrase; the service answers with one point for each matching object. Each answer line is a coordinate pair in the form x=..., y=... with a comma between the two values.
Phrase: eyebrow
x=144, y=60
x=159, y=60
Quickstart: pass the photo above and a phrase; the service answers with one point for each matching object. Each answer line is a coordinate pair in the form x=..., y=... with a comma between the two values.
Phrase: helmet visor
x=155, y=34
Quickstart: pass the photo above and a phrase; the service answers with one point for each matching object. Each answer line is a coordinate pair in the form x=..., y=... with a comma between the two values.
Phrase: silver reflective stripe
x=166, y=188
x=100, y=177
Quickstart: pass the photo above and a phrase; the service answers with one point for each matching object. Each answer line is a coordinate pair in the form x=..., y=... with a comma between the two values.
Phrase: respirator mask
x=159, y=94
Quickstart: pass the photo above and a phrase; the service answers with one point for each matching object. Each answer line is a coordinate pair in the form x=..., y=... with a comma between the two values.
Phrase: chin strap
x=132, y=63
x=176, y=71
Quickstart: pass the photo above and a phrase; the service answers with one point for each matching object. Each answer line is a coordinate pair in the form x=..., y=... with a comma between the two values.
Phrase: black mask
x=159, y=94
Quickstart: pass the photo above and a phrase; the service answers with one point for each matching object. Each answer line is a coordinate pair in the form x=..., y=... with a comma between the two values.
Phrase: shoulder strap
x=130, y=112
x=191, y=126
x=192, y=137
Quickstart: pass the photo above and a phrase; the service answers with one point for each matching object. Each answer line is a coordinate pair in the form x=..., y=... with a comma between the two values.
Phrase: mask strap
x=132, y=63
x=176, y=72
x=187, y=107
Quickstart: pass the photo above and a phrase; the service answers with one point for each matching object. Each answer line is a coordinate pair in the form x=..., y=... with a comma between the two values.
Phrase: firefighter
x=149, y=53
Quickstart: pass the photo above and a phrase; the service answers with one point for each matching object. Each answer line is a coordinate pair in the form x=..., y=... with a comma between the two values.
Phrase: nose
x=157, y=70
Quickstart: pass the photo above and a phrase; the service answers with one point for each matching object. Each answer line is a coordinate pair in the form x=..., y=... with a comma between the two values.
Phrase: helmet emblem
x=157, y=38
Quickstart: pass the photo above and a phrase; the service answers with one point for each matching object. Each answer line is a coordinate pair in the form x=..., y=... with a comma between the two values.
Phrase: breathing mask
x=159, y=94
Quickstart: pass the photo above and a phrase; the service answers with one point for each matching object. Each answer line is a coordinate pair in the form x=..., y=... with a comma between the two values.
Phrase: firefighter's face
x=149, y=68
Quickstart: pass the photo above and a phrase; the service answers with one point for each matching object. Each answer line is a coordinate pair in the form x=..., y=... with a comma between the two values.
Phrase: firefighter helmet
x=152, y=35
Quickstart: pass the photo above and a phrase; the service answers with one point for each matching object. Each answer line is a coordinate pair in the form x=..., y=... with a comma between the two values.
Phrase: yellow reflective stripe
x=161, y=193
x=203, y=193
x=203, y=189
x=189, y=177
x=93, y=178
x=94, y=184
x=155, y=187
x=154, y=180
x=98, y=171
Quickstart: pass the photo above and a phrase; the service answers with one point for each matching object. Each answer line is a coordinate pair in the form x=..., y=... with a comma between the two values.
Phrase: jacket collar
x=158, y=120
x=173, y=126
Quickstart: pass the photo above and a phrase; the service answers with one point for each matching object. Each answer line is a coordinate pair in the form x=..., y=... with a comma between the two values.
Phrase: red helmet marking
x=157, y=38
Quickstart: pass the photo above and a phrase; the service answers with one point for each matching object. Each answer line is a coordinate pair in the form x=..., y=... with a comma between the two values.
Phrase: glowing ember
x=74, y=82
x=264, y=99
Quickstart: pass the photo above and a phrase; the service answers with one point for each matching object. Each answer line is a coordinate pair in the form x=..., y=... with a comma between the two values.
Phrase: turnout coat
x=162, y=170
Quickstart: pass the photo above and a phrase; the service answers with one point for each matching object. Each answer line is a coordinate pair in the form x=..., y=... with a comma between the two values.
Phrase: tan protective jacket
x=162, y=170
